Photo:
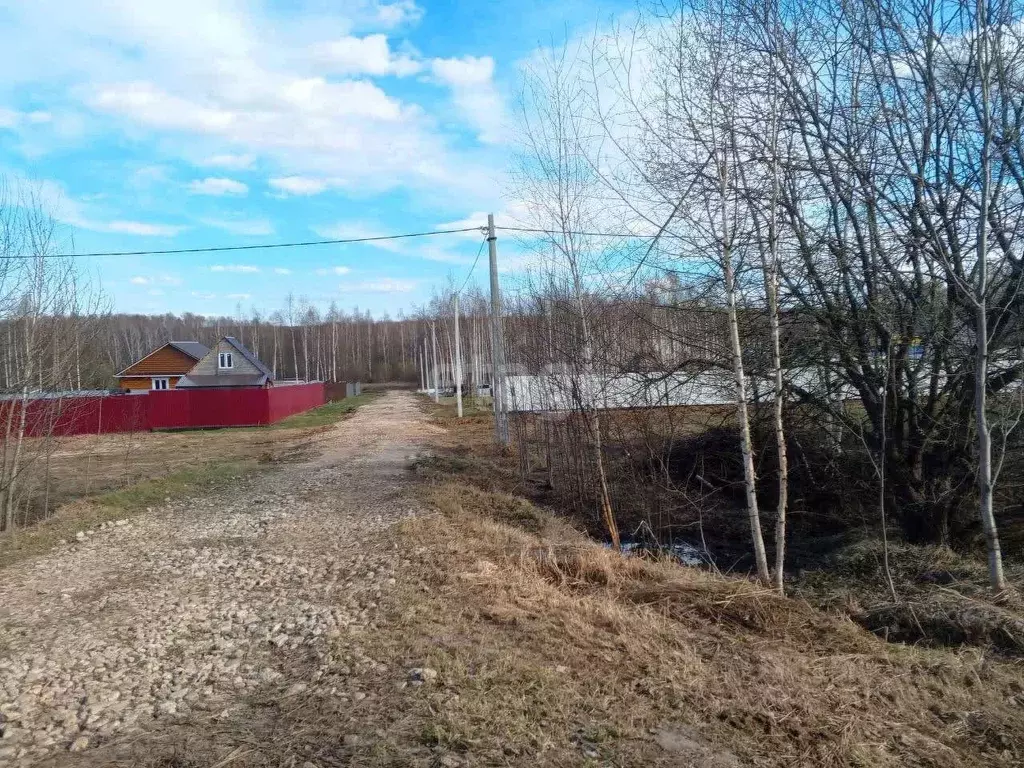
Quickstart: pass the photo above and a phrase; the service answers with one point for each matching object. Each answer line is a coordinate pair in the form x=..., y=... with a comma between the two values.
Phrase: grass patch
x=88, y=513
x=107, y=478
x=553, y=650
x=943, y=597
x=328, y=414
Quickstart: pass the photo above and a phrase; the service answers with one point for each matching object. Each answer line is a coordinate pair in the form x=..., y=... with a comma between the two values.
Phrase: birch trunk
x=985, y=507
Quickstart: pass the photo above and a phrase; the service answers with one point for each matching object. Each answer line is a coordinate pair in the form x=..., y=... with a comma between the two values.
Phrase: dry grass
x=559, y=648
x=552, y=650
x=98, y=478
x=943, y=596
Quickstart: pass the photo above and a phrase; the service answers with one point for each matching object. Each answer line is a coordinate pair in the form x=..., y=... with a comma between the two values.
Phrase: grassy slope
x=208, y=471
x=552, y=650
x=559, y=649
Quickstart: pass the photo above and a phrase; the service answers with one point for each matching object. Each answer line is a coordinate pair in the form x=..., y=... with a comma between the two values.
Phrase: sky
x=147, y=125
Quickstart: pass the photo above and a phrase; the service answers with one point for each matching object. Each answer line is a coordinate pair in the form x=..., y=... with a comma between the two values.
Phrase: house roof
x=249, y=356
x=224, y=380
x=193, y=349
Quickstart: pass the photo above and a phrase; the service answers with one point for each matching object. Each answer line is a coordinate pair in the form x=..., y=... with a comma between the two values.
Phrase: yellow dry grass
x=562, y=652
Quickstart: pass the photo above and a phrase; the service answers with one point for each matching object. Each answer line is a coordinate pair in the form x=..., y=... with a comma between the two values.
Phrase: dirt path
x=190, y=606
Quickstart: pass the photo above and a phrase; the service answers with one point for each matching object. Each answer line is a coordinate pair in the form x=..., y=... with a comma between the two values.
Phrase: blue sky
x=148, y=124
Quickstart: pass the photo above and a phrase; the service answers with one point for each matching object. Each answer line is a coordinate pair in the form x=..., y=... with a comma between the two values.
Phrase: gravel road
x=186, y=607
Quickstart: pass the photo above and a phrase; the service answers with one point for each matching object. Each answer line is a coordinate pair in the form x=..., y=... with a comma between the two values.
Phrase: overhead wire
x=473, y=268
x=253, y=247
x=314, y=243
x=532, y=230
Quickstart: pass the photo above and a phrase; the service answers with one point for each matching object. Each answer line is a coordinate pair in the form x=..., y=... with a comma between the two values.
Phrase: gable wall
x=166, y=360
x=208, y=365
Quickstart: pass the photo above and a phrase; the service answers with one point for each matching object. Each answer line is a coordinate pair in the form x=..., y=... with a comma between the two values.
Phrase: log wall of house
x=163, y=362
x=145, y=383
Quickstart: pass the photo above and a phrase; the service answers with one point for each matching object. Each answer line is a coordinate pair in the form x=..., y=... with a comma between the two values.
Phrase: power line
x=255, y=247
x=313, y=243
x=473, y=268
x=574, y=232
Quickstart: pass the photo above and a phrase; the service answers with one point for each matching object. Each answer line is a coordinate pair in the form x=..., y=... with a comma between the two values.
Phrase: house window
x=161, y=383
x=225, y=360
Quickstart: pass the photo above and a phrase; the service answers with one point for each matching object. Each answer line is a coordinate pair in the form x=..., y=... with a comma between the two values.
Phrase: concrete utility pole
x=458, y=361
x=433, y=342
x=426, y=367
x=497, y=341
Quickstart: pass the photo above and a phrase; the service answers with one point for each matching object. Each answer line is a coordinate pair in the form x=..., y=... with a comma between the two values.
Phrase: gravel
x=198, y=601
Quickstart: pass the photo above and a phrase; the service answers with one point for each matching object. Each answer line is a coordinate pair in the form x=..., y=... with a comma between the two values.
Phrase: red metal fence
x=169, y=409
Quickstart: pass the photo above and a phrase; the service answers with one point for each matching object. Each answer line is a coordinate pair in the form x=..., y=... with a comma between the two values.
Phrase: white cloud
x=230, y=162
x=243, y=227
x=398, y=13
x=135, y=228
x=311, y=102
x=356, y=230
x=334, y=271
x=445, y=255
x=370, y=55
x=84, y=214
x=417, y=248
x=247, y=269
x=513, y=213
x=163, y=279
x=382, y=285
x=282, y=271
x=471, y=80
x=146, y=103
x=299, y=185
x=149, y=175
x=239, y=296
x=237, y=85
x=464, y=72
x=12, y=119
x=217, y=187
x=204, y=295
x=155, y=292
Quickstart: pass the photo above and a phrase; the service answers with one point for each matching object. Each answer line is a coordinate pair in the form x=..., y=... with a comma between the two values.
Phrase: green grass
x=123, y=503
x=325, y=415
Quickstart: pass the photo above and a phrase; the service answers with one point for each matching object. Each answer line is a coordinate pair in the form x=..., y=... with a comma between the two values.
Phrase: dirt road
x=187, y=608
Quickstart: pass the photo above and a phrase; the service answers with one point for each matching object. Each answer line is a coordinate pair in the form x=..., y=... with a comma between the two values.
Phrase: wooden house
x=162, y=368
x=228, y=364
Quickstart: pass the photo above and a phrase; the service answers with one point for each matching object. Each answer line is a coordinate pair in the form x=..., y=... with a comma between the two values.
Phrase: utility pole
x=497, y=341
x=426, y=367
x=422, y=365
x=433, y=342
x=458, y=361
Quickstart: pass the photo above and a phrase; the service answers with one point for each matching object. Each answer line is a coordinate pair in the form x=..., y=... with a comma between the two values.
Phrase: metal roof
x=193, y=349
x=223, y=380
